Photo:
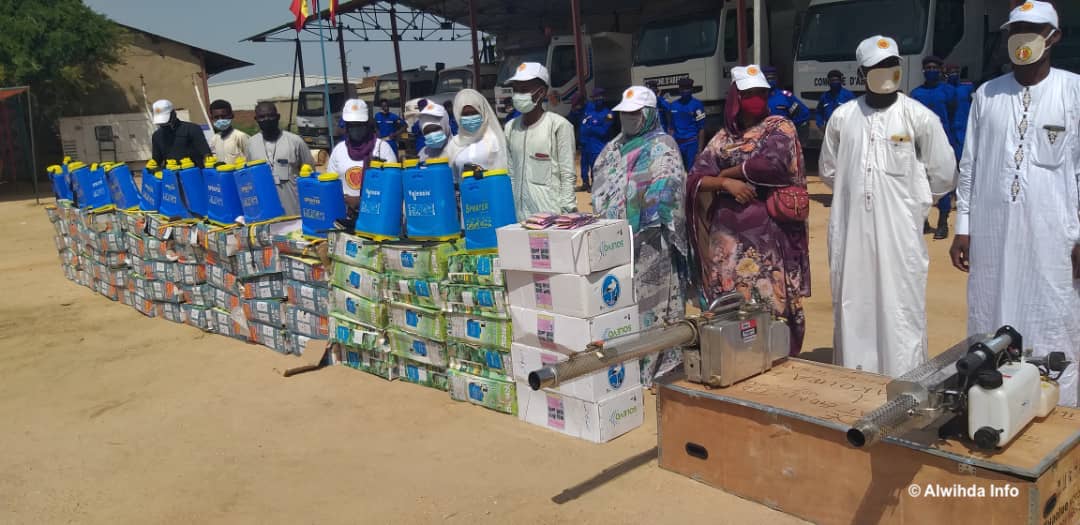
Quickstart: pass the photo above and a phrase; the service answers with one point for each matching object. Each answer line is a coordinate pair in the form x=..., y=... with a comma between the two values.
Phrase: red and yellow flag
x=299, y=8
x=333, y=12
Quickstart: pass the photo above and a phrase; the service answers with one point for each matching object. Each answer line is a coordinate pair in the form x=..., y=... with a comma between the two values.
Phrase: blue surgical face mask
x=686, y=93
x=954, y=79
x=835, y=85
x=932, y=76
x=435, y=139
x=222, y=124
x=471, y=123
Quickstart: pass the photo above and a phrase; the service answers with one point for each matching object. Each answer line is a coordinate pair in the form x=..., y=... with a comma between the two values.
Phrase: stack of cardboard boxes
x=357, y=309
x=567, y=289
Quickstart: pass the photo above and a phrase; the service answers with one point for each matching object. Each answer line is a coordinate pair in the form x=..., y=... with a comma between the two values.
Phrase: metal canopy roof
x=368, y=21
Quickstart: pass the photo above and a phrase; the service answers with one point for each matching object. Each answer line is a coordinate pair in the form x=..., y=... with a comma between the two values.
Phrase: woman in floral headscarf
x=639, y=177
x=737, y=245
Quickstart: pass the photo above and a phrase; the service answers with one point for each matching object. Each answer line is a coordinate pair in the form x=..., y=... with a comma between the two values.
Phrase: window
x=833, y=31
x=667, y=43
x=731, y=34
x=563, y=65
x=311, y=104
x=454, y=81
x=948, y=26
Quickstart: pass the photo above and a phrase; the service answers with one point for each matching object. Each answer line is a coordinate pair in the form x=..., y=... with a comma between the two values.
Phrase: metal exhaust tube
x=887, y=420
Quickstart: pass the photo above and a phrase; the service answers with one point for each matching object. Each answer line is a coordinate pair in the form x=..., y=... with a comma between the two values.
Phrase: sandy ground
x=111, y=417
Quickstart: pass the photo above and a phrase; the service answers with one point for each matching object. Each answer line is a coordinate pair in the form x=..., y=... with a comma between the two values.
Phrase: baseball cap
x=162, y=111
x=686, y=82
x=635, y=98
x=875, y=49
x=528, y=71
x=355, y=110
x=1034, y=12
x=598, y=92
x=749, y=77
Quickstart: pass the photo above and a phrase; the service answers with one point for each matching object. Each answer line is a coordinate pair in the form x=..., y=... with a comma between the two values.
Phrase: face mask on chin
x=883, y=81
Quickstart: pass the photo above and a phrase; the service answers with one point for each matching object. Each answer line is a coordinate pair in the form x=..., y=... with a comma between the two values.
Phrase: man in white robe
x=886, y=157
x=1018, y=224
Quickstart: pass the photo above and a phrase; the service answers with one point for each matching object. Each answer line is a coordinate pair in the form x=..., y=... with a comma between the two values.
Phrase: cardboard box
x=231, y=325
x=199, y=294
x=476, y=299
x=379, y=364
x=357, y=308
x=187, y=273
x=600, y=246
x=308, y=297
x=220, y=277
x=593, y=387
x=422, y=374
x=257, y=262
x=418, y=260
x=164, y=291
x=350, y=333
x=486, y=330
x=307, y=324
x=417, y=292
x=272, y=337
x=296, y=343
x=198, y=316
x=597, y=422
x=224, y=242
x=496, y=394
x=266, y=311
x=571, y=334
x=268, y=286
x=471, y=268
x=480, y=360
x=224, y=299
x=303, y=269
x=417, y=348
x=156, y=270
x=144, y=305
x=108, y=290
x=366, y=283
x=171, y=311
x=355, y=251
x=417, y=320
x=779, y=438
x=573, y=295
x=294, y=245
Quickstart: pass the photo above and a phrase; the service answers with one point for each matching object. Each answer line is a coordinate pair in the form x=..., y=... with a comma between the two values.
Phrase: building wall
x=166, y=69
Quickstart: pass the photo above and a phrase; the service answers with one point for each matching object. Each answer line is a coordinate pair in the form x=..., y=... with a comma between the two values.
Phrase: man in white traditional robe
x=886, y=157
x=1018, y=224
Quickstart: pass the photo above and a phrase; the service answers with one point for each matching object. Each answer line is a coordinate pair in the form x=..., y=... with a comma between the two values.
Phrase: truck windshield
x=512, y=61
x=832, y=31
x=668, y=42
x=311, y=103
x=453, y=81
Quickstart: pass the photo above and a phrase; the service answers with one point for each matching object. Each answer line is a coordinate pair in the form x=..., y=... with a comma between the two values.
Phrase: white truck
x=699, y=40
x=607, y=65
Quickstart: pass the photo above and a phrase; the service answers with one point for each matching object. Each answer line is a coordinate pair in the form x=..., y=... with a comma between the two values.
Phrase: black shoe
x=926, y=228
x=584, y=187
x=942, y=231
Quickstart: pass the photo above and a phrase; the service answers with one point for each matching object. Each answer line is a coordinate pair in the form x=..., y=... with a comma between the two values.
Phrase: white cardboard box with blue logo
x=594, y=387
x=597, y=422
x=596, y=247
x=573, y=295
x=567, y=335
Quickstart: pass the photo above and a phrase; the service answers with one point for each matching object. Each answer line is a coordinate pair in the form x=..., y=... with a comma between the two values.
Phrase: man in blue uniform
x=577, y=112
x=596, y=127
x=939, y=97
x=389, y=125
x=783, y=102
x=688, y=122
x=663, y=110
x=836, y=96
x=963, y=91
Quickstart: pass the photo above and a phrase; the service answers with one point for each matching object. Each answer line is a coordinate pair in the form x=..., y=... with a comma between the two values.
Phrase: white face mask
x=523, y=102
x=1027, y=48
x=883, y=81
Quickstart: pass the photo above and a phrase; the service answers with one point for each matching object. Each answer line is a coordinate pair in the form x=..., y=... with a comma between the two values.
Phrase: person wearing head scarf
x=639, y=176
x=435, y=126
x=480, y=139
x=737, y=244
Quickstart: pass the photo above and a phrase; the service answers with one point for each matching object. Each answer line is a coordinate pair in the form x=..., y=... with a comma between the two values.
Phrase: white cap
x=529, y=71
x=1034, y=12
x=355, y=110
x=162, y=111
x=875, y=49
x=436, y=111
x=635, y=98
x=749, y=77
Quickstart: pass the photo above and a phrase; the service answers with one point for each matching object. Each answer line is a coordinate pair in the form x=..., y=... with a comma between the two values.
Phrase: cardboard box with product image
x=573, y=295
x=599, y=246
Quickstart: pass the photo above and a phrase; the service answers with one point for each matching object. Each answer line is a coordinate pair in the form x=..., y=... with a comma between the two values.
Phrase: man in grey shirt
x=285, y=152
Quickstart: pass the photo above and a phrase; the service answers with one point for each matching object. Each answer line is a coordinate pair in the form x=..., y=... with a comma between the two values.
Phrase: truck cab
x=419, y=82
x=451, y=81
x=311, y=115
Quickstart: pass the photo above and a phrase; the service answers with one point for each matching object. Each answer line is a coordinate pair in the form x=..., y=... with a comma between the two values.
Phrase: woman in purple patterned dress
x=737, y=245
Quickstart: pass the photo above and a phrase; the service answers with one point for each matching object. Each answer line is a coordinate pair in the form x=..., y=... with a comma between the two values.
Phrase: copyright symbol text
x=914, y=490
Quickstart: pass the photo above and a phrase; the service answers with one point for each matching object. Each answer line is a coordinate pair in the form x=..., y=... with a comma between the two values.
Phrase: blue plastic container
x=122, y=186
x=380, y=201
x=487, y=203
x=322, y=201
x=431, y=211
x=172, y=200
x=223, y=202
x=258, y=192
x=193, y=186
x=150, y=193
x=58, y=176
x=90, y=187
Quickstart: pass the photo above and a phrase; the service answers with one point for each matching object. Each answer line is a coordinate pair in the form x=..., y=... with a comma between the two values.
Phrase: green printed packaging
x=417, y=348
x=496, y=394
x=480, y=330
x=417, y=320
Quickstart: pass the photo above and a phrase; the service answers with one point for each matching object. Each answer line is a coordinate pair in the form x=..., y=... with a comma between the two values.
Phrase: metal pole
x=740, y=17
x=326, y=81
x=579, y=51
x=292, y=92
x=344, y=67
x=759, y=39
x=33, y=146
x=475, y=45
x=300, y=63
x=397, y=59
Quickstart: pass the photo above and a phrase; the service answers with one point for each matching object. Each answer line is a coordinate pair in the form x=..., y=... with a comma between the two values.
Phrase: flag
x=299, y=8
x=333, y=12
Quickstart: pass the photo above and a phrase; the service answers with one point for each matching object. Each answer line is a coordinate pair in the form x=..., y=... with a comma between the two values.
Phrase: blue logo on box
x=411, y=318
x=615, y=376
x=476, y=392
x=351, y=249
x=422, y=289
x=493, y=360
x=610, y=290
x=473, y=328
x=485, y=298
x=343, y=334
x=483, y=266
x=419, y=348
x=412, y=373
x=350, y=305
x=354, y=279
x=407, y=260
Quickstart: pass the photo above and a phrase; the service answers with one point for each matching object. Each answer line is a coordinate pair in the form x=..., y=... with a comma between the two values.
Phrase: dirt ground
x=111, y=417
